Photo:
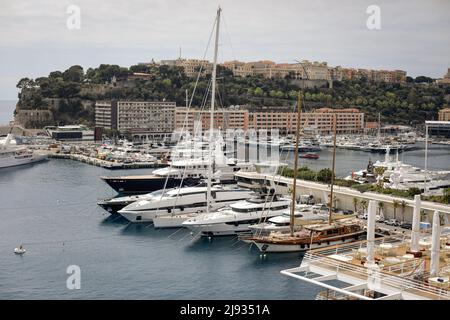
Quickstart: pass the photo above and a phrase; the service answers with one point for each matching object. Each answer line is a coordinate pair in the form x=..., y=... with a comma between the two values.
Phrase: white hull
x=163, y=215
x=13, y=161
x=231, y=227
x=279, y=248
x=171, y=221
x=221, y=229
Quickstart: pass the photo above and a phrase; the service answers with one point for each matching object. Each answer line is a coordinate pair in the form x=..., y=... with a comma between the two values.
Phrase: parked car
x=406, y=225
x=379, y=218
x=347, y=212
x=320, y=208
x=392, y=222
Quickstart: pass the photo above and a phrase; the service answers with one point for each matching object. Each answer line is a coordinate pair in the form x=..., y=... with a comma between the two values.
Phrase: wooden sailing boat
x=313, y=235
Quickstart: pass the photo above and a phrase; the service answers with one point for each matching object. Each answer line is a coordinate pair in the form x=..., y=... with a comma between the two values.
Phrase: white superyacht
x=238, y=217
x=186, y=200
x=12, y=155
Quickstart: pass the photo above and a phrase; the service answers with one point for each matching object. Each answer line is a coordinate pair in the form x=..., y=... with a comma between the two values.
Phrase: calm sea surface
x=51, y=208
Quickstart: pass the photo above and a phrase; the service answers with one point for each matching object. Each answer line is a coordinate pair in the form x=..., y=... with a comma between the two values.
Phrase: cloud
x=35, y=39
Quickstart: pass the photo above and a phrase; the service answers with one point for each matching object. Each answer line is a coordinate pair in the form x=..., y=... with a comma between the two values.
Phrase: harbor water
x=51, y=209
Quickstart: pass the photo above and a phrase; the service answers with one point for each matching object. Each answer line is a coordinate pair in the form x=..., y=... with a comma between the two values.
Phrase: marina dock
x=344, y=196
x=107, y=164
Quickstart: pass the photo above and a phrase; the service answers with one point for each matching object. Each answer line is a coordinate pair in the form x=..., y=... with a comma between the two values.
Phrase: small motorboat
x=309, y=156
x=19, y=250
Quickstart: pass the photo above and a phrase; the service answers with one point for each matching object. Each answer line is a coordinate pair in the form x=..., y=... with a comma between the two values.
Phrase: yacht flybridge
x=12, y=155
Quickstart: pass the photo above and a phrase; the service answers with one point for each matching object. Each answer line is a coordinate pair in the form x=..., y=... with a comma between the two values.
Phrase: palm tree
x=355, y=203
x=380, y=207
x=403, y=205
x=395, y=203
x=423, y=215
x=379, y=171
x=364, y=205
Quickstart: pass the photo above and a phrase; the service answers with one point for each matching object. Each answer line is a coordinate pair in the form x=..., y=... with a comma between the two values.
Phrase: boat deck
x=397, y=274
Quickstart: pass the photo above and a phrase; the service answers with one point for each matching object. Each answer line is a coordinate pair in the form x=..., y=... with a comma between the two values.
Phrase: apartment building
x=394, y=76
x=269, y=69
x=230, y=118
x=127, y=115
x=445, y=79
x=319, y=121
x=191, y=67
x=283, y=119
x=444, y=114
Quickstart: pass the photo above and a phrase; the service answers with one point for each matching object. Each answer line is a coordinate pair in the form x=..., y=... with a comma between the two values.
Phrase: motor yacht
x=185, y=200
x=12, y=154
x=238, y=217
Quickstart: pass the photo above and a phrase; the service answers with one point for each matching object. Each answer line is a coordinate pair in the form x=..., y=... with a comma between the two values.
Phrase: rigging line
x=185, y=168
x=187, y=235
x=175, y=232
x=192, y=97
x=229, y=36
x=273, y=195
x=279, y=179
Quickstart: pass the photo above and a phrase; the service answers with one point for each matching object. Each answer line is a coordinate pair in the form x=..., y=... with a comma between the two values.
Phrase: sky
x=35, y=39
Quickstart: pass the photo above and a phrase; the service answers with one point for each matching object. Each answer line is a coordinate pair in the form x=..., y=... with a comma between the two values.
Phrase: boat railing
x=375, y=276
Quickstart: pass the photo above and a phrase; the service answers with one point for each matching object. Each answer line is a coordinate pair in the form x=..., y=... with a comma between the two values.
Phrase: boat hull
x=145, y=184
x=112, y=208
x=175, y=221
x=14, y=162
x=267, y=246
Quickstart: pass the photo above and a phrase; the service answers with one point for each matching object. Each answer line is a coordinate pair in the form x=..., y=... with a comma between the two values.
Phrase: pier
x=107, y=164
x=344, y=196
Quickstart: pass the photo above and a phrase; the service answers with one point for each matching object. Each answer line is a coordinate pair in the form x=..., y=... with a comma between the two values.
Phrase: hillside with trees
x=71, y=94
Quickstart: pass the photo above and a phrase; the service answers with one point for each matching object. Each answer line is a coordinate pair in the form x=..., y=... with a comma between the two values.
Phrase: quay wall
x=344, y=199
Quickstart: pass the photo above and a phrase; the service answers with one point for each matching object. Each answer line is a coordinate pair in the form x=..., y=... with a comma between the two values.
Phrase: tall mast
x=333, y=168
x=379, y=126
x=294, y=187
x=211, y=122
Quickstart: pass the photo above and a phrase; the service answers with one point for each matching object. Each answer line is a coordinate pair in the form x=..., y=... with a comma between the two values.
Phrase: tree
x=55, y=75
x=395, y=204
x=24, y=83
x=258, y=91
x=447, y=195
x=74, y=74
x=414, y=191
x=423, y=79
x=403, y=205
x=364, y=205
x=324, y=175
x=355, y=203
x=380, y=207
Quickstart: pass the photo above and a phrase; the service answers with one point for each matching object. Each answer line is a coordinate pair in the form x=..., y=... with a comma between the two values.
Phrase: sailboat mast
x=379, y=126
x=333, y=168
x=211, y=122
x=294, y=187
